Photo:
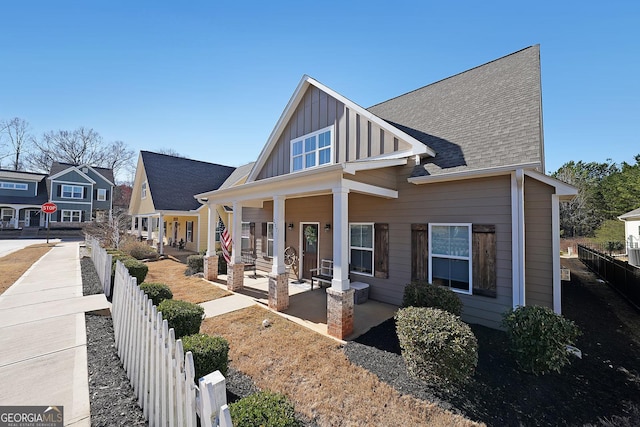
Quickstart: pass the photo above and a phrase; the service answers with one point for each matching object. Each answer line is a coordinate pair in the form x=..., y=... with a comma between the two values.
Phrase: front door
x=309, y=248
x=32, y=219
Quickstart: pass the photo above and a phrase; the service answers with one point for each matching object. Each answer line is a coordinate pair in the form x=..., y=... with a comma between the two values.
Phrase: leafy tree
x=16, y=135
x=620, y=191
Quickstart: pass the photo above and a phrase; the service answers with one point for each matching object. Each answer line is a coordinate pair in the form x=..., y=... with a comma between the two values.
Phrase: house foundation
x=279, y=291
x=339, y=313
x=235, y=276
x=211, y=267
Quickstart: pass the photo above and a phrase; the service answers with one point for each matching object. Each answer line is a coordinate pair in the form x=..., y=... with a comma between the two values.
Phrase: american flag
x=226, y=243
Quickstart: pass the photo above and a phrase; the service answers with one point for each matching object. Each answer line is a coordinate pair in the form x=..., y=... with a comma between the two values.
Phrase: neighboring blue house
x=82, y=193
x=21, y=196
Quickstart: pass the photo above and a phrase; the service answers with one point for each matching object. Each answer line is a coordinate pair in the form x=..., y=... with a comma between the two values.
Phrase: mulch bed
x=602, y=386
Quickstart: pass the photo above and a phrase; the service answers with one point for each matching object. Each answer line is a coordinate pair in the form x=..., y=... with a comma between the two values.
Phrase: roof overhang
x=474, y=173
x=20, y=176
x=563, y=190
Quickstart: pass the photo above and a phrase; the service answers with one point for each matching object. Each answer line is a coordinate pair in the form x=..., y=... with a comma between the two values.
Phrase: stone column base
x=235, y=276
x=279, y=291
x=211, y=267
x=339, y=313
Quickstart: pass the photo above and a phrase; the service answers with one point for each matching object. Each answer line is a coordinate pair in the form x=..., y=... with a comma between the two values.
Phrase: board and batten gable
x=538, y=244
x=475, y=201
x=355, y=137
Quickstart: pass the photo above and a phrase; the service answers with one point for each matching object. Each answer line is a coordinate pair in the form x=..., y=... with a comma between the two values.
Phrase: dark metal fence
x=622, y=276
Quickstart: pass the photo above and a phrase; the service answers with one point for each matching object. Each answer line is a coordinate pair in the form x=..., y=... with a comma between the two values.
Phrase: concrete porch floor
x=309, y=307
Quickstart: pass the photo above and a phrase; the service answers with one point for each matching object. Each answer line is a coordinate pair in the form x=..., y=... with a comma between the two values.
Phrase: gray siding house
x=444, y=184
x=82, y=193
x=21, y=197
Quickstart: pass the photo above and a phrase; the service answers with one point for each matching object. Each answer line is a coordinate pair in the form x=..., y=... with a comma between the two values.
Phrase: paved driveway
x=11, y=245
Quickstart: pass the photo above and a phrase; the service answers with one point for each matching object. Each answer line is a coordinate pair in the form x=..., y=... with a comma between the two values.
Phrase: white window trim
x=70, y=212
x=14, y=186
x=143, y=190
x=243, y=237
x=270, y=255
x=464, y=258
x=73, y=188
x=189, y=232
x=2, y=213
x=372, y=250
x=102, y=195
x=317, y=150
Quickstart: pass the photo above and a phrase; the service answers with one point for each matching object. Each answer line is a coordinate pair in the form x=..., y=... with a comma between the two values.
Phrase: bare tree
x=81, y=146
x=170, y=152
x=17, y=136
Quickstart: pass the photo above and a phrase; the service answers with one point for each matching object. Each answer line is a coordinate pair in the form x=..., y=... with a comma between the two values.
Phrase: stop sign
x=49, y=207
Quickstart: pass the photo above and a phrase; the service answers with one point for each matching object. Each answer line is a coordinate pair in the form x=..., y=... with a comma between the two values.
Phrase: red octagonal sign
x=49, y=207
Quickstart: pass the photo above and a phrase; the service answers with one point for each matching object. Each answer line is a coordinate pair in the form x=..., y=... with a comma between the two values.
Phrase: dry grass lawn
x=185, y=288
x=14, y=265
x=314, y=373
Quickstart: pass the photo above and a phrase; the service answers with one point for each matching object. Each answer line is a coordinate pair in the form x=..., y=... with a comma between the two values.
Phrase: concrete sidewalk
x=43, y=344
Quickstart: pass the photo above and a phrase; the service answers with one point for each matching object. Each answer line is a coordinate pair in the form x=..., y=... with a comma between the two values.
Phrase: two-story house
x=21, y=196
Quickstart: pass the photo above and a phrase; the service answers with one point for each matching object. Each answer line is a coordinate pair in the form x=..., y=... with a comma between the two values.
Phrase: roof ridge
x=185, y=158
x=454, y=75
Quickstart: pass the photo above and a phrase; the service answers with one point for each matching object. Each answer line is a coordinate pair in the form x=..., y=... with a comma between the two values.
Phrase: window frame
x=102, y=195
x=244, y=238
x=363, y=248
x=189, y=228
x=6, y=185
x=316, y=151
x=2, y=214
x=468, y=258
x=70, y=213
x=73, y=191
x=143, y=190
x=269, y=250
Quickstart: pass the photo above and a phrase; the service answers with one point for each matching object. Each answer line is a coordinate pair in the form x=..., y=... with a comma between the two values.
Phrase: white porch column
x=340, y=239
x=211, y=229
x=139, y=227
x=16, y=219
x=517, y=237
x=278, y=235
x=161, y=234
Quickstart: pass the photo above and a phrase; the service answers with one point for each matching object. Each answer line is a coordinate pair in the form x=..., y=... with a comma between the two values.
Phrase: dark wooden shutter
x=95, y=194
x=263, y=239
x=484, y=260
x=252, y=237
x=59, y=190
x=419, y=252
x=84, y=192
x=107, y=195
x=381, y=251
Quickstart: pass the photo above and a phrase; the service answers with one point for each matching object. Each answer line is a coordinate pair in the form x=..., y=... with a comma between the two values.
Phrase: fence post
x=225, y=416
x=213, y=394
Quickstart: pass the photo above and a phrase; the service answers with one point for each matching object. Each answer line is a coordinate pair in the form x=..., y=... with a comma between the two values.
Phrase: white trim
x=562, y=189
x=69, y=169
x=144, y=189
x=73, y=188
x=62, y=211
x=369, y=164
x=468, y=258
x=104, y=199
x=372, y=250
x=62, y=202
x=306, y=81
x=7, y=187
x=272, y=224
x=555, y=251
x=303, y=154
x=474, y=173
x=517, y=238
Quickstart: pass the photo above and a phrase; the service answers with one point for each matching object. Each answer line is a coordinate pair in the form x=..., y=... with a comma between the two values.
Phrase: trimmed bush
x=538, y=338
x=422, y=294
x=436, y=345
x=195, y=263
x=157, y=292
x=139, y=250
x=184, y=317
x=210, y=354
x=136, y=268
x=222, y=263
x=264, y=408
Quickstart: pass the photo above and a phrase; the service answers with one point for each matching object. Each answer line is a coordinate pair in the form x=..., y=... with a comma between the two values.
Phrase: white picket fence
x=161, y=374
x=102, y=261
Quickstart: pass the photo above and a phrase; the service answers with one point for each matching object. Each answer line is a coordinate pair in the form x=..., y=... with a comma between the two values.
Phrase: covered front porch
x=175, y=229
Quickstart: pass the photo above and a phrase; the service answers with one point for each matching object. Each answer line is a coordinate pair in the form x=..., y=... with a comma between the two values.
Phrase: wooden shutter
x=263, y=239
x=107, y=197
x=95, y=194
x=59, y=190
x=381, y=251
x=484, y=260
x=419, y=252
x=84, y=192
x=252, y=238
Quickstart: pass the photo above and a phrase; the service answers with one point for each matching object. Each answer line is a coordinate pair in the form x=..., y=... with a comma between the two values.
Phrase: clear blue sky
x=209, y=79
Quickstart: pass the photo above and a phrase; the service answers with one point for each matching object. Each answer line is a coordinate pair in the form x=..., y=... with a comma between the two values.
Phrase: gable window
x=361, y=248
x=14, y=186
x=143, y=191
x=102, y=194
x=71, y=216
x=270, y=239
x=450, y=256
x=312, y=150
x=189, y=231
x=72, y=191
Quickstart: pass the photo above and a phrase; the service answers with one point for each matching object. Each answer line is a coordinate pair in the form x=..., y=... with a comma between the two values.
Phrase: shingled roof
x=173, y=181
x=41, y=196
x=489, y=116
x=57, y=167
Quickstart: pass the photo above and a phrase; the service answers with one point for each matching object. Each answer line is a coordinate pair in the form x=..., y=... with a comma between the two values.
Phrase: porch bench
x=249, y=260
x=322, y=274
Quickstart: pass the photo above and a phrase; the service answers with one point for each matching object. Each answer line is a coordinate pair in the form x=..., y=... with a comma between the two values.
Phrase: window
x=189, y=231
x=361, y=248
x=270, y=239
x=311, y=150
x=71, y=216
x=102, y=194
x=13, y=186
x=450, y=256
x=143, y=192
x=6, y=214
x=246, y=236
x=72, y=191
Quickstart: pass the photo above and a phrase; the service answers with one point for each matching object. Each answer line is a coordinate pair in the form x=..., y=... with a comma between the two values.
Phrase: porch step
x=29, y=232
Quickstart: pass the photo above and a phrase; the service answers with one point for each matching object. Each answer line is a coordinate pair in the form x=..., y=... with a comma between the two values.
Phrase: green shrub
x=157, y=292
x=184, y=317
x=195, y=263
x=222, y=263
x=263, y=409
x=422, y=294
x=538, y=338
x=210, y=354
x=436, y=345
x=136, y=269
x=139, y=250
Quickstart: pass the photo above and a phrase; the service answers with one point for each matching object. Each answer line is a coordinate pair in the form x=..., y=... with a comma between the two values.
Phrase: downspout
x=517, y=237
x=555, y=250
